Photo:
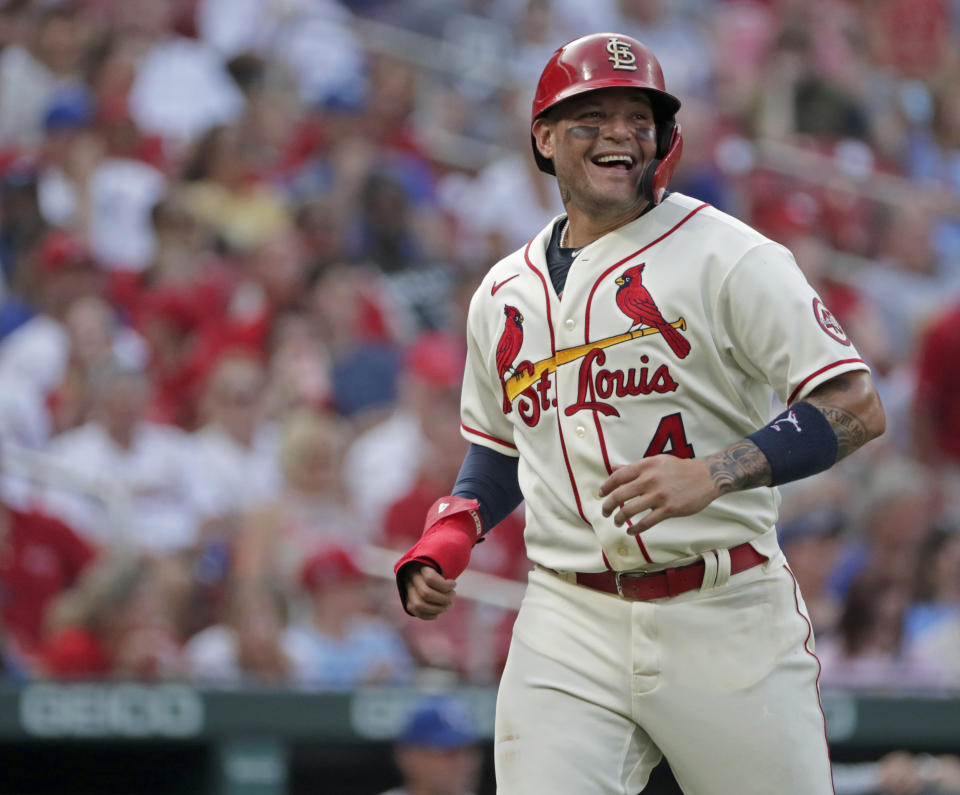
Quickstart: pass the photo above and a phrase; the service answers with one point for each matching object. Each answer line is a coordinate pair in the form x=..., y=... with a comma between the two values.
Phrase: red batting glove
x=451, y=529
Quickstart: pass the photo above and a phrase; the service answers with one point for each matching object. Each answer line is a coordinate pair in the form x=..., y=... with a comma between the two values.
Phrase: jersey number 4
x=670, y=434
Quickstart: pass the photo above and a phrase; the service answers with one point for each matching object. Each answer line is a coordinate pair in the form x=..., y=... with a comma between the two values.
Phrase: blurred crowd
x=237, y=243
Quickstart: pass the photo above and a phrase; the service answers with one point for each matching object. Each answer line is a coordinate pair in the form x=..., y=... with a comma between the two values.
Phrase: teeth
x=615, y=159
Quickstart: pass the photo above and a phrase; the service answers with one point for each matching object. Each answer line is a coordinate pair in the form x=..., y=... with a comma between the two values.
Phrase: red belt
x=640, y=586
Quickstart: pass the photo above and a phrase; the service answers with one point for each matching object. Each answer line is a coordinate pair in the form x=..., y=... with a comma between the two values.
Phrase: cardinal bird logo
x=507, y=349
x=637, y=304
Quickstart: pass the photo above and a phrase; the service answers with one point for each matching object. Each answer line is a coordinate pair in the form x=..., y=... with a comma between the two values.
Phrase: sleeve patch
x=829, y=323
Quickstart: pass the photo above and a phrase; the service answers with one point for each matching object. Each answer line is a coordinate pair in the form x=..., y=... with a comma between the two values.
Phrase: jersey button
x=581, y=431
x=570, y=323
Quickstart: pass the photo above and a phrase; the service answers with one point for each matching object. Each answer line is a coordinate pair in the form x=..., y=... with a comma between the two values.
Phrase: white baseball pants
x=723, y=682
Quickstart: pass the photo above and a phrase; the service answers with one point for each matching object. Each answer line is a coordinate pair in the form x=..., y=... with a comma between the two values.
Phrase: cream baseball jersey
x=672, y=334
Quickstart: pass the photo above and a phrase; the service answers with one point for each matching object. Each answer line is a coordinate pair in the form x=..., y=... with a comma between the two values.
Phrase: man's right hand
x=450, y=530
x=427, y=593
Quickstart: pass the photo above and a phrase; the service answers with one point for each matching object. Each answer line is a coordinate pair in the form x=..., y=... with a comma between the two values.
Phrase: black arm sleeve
x=490, y=478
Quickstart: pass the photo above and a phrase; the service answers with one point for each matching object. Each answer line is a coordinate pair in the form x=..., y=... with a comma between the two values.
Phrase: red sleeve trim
x=813, y=375
x=483, y=435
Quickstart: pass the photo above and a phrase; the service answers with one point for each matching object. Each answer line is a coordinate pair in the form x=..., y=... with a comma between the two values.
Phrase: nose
x=617, y=127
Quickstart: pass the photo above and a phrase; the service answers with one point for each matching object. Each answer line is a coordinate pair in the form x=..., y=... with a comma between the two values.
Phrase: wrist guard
x=798, y=443
x=451, y=529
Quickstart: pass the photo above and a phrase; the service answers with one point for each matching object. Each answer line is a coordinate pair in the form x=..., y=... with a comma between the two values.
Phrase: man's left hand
x=659, y=487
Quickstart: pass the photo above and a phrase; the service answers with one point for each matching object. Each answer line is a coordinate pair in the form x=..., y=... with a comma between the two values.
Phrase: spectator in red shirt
x=118, y=621
x=39, y=558
x=936, y=408
x=179, y=304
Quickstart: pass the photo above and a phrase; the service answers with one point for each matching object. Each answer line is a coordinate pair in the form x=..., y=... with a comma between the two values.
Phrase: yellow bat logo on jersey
x=524, y=379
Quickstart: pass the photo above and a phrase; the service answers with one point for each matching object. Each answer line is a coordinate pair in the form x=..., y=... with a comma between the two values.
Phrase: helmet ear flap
x=665, y=132
x=657, y=173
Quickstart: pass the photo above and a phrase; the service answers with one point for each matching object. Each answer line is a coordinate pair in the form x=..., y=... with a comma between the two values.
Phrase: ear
x=543, y=136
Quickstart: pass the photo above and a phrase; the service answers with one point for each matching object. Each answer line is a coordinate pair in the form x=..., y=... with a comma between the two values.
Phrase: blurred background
x=237, y=243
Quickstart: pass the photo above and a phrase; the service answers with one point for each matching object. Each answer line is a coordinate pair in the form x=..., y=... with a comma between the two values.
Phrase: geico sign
x=126, y=710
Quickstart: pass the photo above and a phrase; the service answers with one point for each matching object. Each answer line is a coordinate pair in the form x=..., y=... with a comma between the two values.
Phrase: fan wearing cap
x=621, y=369
x=437, y=752
x=63, y=271
x=343, y=643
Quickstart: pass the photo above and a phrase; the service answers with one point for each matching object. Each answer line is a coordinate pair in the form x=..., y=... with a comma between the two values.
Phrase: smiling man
x=598, y=174
x=621, y=369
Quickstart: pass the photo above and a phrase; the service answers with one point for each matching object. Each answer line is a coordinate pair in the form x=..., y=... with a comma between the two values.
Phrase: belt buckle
x=616, y=578
x=617, y=575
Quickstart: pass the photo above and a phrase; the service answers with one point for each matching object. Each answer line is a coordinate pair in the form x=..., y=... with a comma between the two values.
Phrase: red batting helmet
x=611, y=60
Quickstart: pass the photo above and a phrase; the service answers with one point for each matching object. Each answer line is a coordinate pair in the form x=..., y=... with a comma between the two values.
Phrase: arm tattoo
x=741, y=466
x=850, y=430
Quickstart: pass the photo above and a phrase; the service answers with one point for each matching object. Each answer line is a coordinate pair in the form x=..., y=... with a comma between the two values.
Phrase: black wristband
x=798, y=443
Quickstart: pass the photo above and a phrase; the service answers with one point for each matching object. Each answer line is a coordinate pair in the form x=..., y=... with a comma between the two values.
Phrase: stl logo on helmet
x=621, y=54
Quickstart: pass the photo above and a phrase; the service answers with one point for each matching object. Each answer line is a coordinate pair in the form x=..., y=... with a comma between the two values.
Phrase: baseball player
x=620, y=377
